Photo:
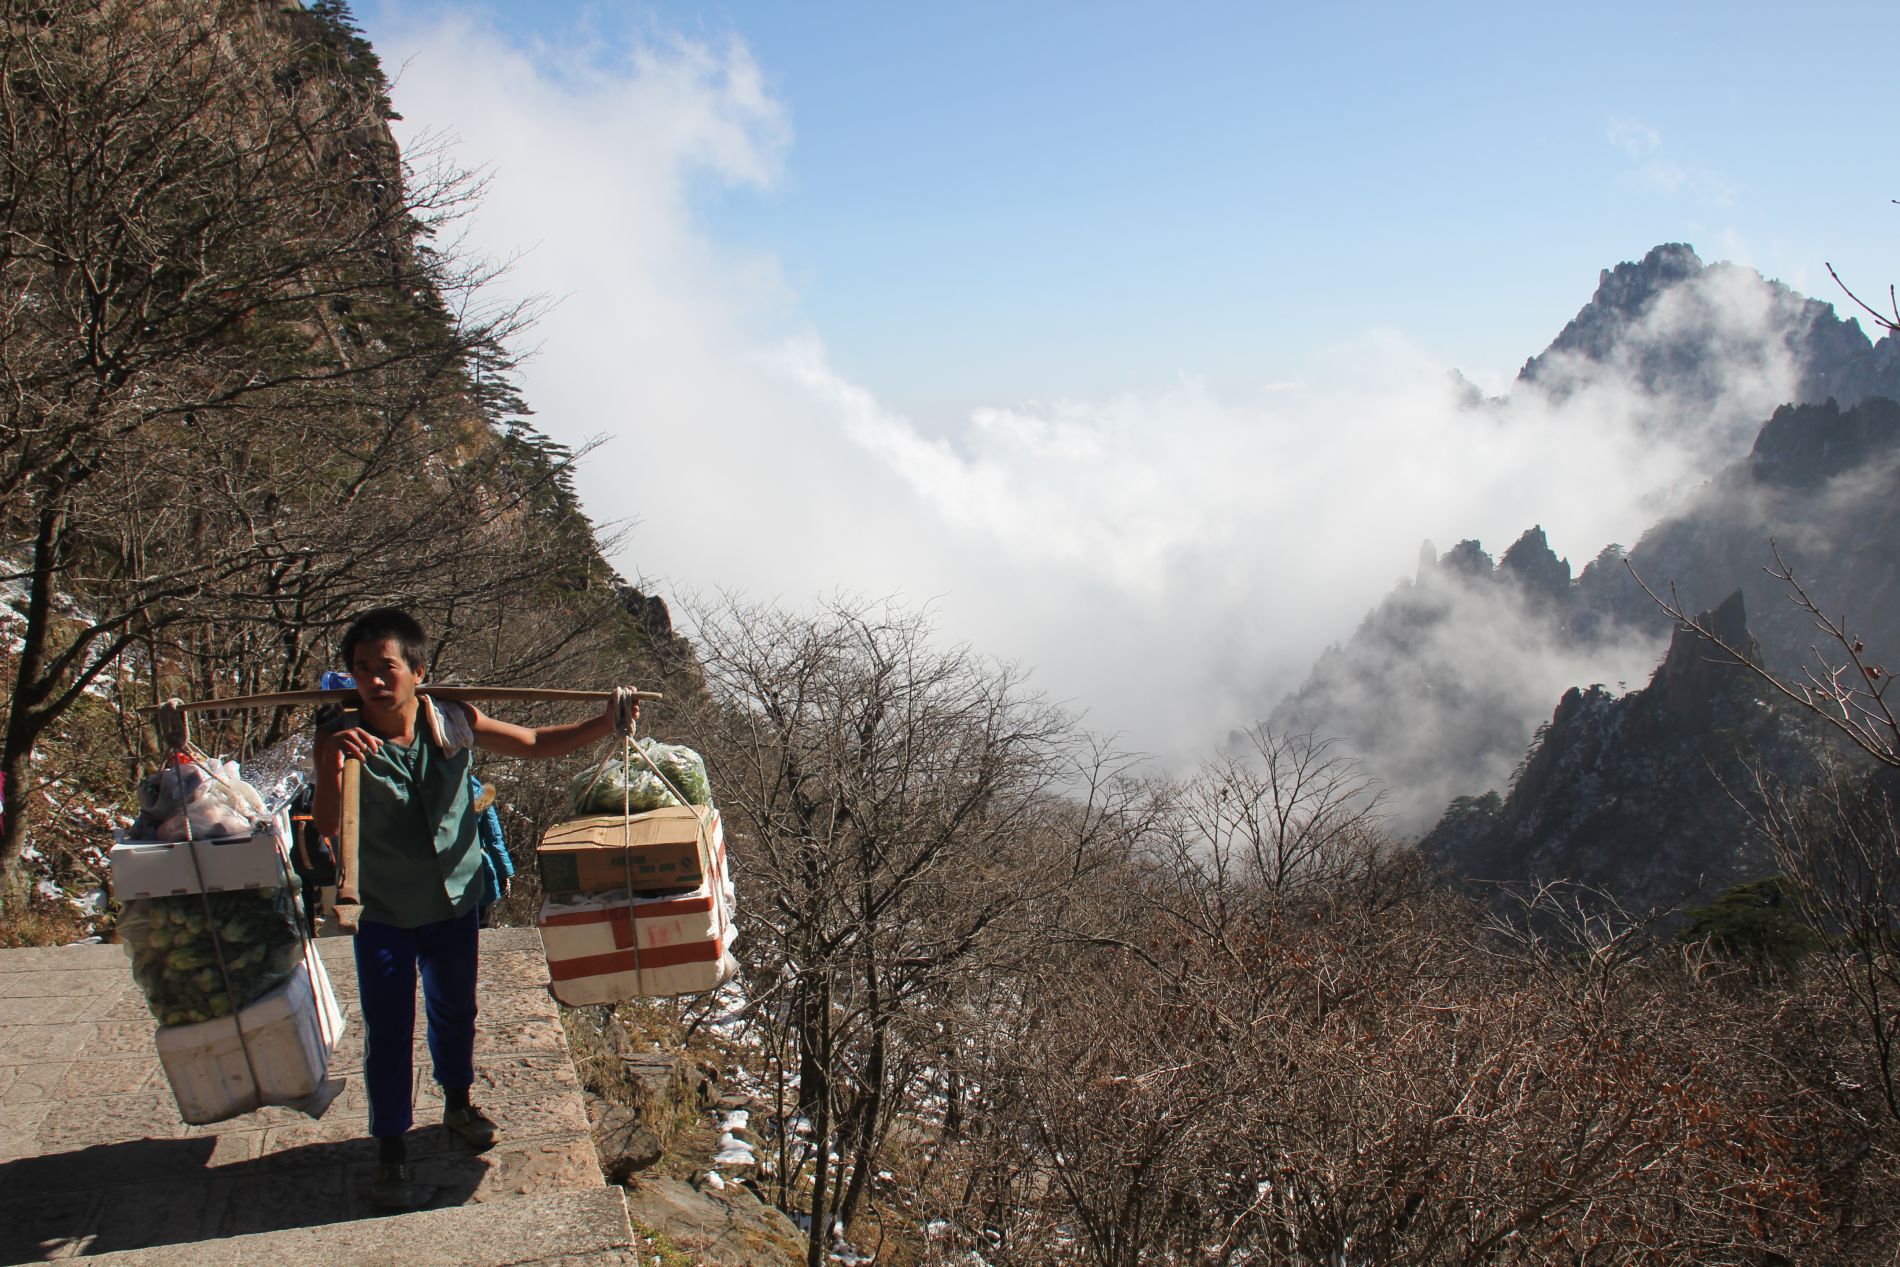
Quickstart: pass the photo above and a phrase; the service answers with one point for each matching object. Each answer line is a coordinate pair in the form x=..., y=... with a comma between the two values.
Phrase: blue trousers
x=387, y=959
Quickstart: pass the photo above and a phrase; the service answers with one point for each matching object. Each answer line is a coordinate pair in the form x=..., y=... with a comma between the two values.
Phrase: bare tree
x=1835, y=839
x=1365, y=1072
x=234, y=384
x=1838, y=841
x=1278, y=812
x=891, y=807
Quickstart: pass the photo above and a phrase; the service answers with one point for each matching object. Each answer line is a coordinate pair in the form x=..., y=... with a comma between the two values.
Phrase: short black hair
x=379, y=623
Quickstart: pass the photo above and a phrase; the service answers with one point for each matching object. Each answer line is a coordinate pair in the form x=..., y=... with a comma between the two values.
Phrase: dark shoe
x=391, y=1189
x=470, y=1125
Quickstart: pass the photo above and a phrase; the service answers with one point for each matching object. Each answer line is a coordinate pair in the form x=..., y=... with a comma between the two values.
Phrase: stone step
x=581, y=1226
x=95, y=1161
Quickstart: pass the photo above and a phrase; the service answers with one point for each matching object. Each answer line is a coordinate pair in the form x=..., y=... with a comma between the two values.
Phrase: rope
x=205, y=763
x=217, y=949
x=699, y=819
x=633, y=924
x=174, y=730
x=625, y=710
x=625, y=719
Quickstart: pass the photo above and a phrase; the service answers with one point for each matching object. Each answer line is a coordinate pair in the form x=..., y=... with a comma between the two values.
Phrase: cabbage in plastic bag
x=635, y=785
x=175, y=943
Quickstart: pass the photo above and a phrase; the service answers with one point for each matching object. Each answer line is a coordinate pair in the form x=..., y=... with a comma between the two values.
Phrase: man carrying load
x=420, y=871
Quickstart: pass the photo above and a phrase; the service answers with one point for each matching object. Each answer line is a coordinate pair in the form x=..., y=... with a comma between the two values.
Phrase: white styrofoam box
x=166, y=868
x=290, y=1034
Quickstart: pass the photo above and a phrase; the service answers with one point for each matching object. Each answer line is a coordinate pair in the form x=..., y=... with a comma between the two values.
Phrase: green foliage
x=1468, y=809
x=332, y=46
x=1465, y=822
x=1755, y=923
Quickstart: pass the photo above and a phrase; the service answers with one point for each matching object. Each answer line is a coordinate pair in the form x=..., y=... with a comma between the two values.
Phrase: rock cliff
x=1440, y=687
x=1643, y=797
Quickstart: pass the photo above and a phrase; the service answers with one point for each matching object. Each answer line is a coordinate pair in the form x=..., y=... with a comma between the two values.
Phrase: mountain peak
x=1623, y=294
x=1696, y=675
x=1535, y=566
x=1635, y=797
x=1688, y=332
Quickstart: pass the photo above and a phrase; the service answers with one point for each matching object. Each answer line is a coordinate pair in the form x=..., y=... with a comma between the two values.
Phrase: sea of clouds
x=1170, y=560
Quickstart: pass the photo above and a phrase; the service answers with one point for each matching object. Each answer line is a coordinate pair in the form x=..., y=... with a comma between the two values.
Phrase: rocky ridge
x=1668, y=321
x=1644, y=798
x=1439, y=689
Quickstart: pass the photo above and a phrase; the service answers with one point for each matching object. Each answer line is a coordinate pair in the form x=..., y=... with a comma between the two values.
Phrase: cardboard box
x=673, y=848
x=603, y=948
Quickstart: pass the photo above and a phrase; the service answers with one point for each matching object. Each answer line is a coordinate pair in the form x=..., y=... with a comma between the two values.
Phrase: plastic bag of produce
x=634, y=784
x=196, y=800
x=199, y=956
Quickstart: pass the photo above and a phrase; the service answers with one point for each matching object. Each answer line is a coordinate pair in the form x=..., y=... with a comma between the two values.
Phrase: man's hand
x=355, y=742
x=623, y=710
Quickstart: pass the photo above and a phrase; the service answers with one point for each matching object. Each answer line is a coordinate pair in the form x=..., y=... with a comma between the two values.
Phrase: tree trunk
x=25, y=719
x=868, y=1106
x=815, y=1249
x=864, y=1123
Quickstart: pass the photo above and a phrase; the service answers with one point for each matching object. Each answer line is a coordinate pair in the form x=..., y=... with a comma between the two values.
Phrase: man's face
x=384, y=678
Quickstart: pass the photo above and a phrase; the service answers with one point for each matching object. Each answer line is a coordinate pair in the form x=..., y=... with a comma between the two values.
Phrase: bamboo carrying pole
x=349, y=907
x=347, y=694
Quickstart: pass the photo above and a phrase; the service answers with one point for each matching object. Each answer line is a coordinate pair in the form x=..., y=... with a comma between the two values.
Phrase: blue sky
x=1041, y=198
x=1118, y=333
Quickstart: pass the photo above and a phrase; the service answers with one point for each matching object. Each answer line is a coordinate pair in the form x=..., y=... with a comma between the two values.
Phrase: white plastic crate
x=165, y=868
x=290, y=1034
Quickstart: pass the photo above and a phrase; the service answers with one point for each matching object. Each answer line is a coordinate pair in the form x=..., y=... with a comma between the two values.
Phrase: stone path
x=95, y=1161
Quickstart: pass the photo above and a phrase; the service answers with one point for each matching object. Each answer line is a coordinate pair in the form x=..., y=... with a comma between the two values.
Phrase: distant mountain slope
x=1439, y=689
x=1672, y=325
x=1638, y=796
x=1820, y=483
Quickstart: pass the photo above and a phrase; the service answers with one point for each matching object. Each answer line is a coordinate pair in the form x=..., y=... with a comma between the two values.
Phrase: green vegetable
x=175, y=944
x=646, y=781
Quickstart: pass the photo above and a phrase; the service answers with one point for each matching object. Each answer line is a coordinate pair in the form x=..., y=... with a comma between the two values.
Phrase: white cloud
x=1169, y=558
x=1651, y=166
x=1638, y=140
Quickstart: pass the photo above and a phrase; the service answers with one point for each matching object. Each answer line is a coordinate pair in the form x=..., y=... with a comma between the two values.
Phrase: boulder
x=622, y=1138
x=731, y=1228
